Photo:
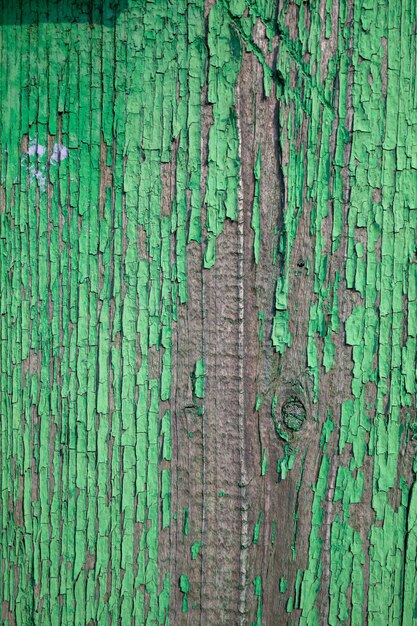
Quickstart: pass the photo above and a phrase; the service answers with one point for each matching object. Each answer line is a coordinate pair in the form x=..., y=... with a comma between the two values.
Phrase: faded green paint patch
x=198, y=379
x=261, y=317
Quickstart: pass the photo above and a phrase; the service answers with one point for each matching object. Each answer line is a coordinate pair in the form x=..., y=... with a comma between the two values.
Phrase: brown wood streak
x=285, y=504
x=266, y=373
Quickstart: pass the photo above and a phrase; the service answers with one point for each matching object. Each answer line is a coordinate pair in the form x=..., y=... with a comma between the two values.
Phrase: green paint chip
x=198, y=379
x=257, y=585
x=257, y=529
x=195, y=549
x=264, y=464
x=185, y=588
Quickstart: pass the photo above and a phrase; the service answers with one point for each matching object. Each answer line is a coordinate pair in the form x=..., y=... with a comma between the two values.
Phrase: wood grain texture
x=208, y=215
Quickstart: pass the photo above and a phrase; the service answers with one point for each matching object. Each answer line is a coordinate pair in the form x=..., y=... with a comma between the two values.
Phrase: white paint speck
x=41, y=178
x=59, y=153
x=36, y=148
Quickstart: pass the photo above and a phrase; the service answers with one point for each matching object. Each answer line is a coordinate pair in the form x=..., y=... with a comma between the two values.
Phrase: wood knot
x=293, y=413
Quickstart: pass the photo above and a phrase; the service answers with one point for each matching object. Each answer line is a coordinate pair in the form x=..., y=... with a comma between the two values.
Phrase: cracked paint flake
x=95, y=246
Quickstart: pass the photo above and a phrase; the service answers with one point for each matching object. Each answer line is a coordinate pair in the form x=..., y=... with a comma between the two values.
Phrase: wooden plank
x=208, y=312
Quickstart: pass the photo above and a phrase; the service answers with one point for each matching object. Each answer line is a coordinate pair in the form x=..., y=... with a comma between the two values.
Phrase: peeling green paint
x=264, y=464
x=195, y=549
x=97, y=112
x=261, y=325
x=273, y=530
x=257, y=584
x=185, y=588
x=375, y=52
x=198, y=379
x=225, y=56
x=311, y=577
x=102, y=115
x=285, y=465
x=257, y=529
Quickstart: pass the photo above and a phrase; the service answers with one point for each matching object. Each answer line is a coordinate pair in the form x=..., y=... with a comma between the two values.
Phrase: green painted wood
x=208, y=271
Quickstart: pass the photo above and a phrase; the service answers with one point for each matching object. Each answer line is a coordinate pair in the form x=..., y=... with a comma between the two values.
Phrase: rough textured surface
x=208, y=268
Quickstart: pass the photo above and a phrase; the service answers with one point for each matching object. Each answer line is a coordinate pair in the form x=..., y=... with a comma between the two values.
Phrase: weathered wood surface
x=208, y=219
